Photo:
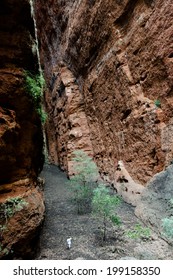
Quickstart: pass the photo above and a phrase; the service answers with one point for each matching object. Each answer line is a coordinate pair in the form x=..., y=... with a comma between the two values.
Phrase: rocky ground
x=63, y=221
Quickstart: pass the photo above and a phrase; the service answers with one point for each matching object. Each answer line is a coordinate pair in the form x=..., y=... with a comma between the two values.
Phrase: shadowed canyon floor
x=62, y=222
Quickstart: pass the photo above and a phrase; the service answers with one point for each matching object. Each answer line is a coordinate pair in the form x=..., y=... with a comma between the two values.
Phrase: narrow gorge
x=108, y=70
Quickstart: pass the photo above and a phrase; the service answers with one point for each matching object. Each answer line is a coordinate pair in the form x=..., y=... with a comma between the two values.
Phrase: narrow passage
x=62, y=222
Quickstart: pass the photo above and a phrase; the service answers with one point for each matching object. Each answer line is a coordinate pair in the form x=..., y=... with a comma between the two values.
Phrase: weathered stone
x=155, y=203
x=19, y=235
x=119, y=54
x=21, y=139
x=67, y=117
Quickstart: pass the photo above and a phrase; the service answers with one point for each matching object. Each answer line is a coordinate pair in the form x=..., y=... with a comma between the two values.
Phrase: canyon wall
x=21, y=140
x=156, y=201
x=109, y=66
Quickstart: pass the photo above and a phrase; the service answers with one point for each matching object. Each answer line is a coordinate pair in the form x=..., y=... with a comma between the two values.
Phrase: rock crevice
x=21, y=140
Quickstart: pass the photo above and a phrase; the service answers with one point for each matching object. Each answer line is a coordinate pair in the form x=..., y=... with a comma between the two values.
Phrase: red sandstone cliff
x=21, y=140
x=106, y=63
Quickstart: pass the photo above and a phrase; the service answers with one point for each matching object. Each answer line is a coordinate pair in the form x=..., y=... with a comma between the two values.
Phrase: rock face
x=21, y=140
x=19, y=231
x=68, y=110
x=155, y=203
x=107, y=64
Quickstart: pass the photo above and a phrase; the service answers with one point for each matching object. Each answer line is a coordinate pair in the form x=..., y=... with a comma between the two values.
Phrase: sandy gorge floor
x=62, y=221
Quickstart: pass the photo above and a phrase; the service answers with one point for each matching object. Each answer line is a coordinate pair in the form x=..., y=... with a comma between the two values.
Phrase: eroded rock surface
x=68, y=110
x=21, y=140
x=119, y=55
x=155, y=204
x=19, y=230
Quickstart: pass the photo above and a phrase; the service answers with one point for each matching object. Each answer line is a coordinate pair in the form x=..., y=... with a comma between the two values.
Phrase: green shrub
x=10, y=207
x=138, y=232
x=84, y=180
x=42, y=114
x=104, y=206
x=167, y=225
x=34, y=85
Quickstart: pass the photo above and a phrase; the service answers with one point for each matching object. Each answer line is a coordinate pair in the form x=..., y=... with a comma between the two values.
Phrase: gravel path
x=62, y=221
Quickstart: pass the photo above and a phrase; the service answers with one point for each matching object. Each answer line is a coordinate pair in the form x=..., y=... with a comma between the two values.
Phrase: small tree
x=104, y=206
x=84, y=180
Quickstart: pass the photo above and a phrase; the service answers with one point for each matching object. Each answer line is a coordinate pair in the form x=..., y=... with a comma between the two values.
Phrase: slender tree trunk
x=104, y=228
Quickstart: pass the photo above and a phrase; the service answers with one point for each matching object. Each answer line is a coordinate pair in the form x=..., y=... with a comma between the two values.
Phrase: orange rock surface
x=118, y=57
